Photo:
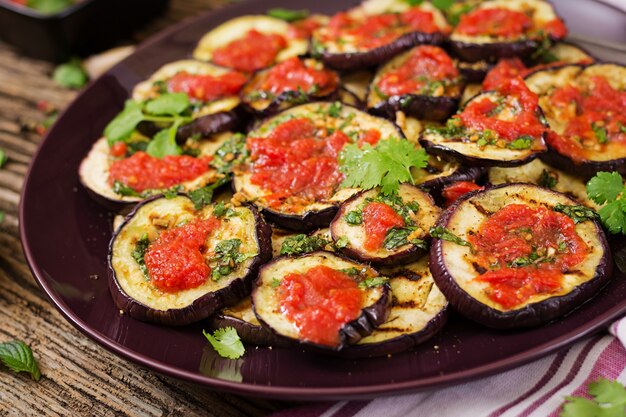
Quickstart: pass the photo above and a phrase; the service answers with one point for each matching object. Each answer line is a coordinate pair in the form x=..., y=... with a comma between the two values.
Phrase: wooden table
x=79, y=377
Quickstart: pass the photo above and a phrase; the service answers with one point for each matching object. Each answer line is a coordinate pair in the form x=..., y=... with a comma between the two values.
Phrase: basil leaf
x=123, y=125
x=168, y=104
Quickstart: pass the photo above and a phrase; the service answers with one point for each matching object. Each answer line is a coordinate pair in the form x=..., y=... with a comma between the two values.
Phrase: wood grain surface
x=79, y=377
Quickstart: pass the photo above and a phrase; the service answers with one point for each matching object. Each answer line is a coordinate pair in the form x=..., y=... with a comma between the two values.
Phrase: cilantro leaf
x=387, y=165
x=226, y=342
x=168, y=104
x=613, y=216
x=609, y=400
x=605, y=186
x=70, y=75
x=18, y=357
x=288, y=15
x=121, y=127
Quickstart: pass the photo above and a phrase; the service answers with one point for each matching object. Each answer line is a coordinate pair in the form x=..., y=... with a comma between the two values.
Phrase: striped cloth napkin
x=534, y=390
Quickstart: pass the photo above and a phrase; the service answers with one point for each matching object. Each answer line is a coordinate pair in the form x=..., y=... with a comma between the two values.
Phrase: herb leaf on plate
x=226, y=342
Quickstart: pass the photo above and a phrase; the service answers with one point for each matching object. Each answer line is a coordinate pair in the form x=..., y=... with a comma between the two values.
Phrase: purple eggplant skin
x=472, y=73
x=205, y=305
x=419, y=106
x=435, y=186
x=585, y=169
x=532, y=315
x=287, y=100
x=370, y=317
x=474, y=52
x=311, y=220
x=360, y=60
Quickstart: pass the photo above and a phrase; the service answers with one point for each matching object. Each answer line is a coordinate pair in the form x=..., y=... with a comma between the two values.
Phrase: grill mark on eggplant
x=479, y=268
x=482, y=210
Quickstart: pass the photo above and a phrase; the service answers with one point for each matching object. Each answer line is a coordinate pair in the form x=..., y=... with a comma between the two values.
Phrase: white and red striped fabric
x=534, y=390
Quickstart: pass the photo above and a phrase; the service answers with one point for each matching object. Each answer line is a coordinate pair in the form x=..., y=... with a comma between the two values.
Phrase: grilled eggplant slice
x=422, y=82
x=294, y=191
x=134, y=177
x=357, y=82
x=249, y=43
x=505, y=28
x=385, y=230
x=505, y=257
x=376, y=31
x=496, y=128
x=539, y=173
x=299, y=299
x=584, y=106
x=289, y=83
x=419, y=311
x=162, y=236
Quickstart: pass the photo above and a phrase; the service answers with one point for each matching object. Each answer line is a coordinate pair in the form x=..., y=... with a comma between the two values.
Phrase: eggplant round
x=132, y=290
x=564, y=53
x=264, y=103
x=94, y=173
x=437, y=100
x=234, y=29
x=474, y=72
x=357, y=82
x=457, y=142
x=375, y=304
x=455, y=267
x=319, y=212
x=414, y=205
x=346, y=55
x=473, y=48
x=600, y=153
x=418, y=312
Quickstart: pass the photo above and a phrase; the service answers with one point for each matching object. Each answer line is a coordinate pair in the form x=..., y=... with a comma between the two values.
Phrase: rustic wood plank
x=80, y=378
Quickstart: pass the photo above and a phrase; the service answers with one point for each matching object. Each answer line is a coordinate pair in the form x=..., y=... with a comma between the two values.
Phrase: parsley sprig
x=609, y=399
x=608, y=188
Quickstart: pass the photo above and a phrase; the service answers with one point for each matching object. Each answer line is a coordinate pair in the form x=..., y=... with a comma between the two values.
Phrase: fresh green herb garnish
x=18, y=357
x=3, y=157
x=351, y=271
x=317, y=49
x=275, y=283
x=548, y=179
x=524, y=142
x=172, y=191
x=220, y=210
x=139, y=253
x=49, y=6
x=203, y=196
x=442, y=4
x=288, y=15
x=300, y=244
x=440, y=232
x=164, y=143
x=124, y=190
x=608, y=188
x=577, y=213
x=354, y=217
x=609, y=400
x=600, y=133
x=229, y=153
x=373, y=282
x=414, y=2
x=71, y=74
x=342, y=242
x=386, y=165
x=227, y=257
x=399, y=236
x=334, y=110
x=406, y=101
x=226, y=342
x=171, y=104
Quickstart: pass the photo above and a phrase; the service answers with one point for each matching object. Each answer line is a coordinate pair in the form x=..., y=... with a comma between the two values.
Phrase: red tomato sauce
x=457, y=190
x=589, y=111
x=504, y=71
x=519, y=232
x=175, y=260
x=144, y=172
x=253, y=51
x=294, y=75
x=495, y=22
x=424, y=65
x=206, y=87
x=478, y=115
x=378, y=30
x=378, y=218
x=302, y=29
x=320, y=302
x=297, y=161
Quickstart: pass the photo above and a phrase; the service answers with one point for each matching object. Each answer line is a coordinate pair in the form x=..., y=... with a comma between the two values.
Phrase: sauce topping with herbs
x=378, y=219
x=297, y=161
x=421, y=73
x=374, y=31
x=594, y=117
x=525, y=251
x=143, y=172
x=320, y=302
x=294, y=75
x=206, y=88
x=175, y=261
x=251, y=52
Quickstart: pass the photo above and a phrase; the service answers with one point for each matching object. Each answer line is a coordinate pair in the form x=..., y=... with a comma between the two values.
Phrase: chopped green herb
x=398, y=236
x=3, y=157
x=317, y=49
x=406, y=101
x=373, y=282
x=71, y=74
x=203, y=196
x=342, y=242
x=524, y=142
x=227, y=258
x=622, y=128
x=275, y=283
x=354, y=217
x=226, y=342
x=442, y=4
x=139, y=253
x=577, y=213
x=600, y=132
x=300, y=244
x=379, y=93
x=172, y=192
x=334, y=110
x=288, y=15
x=124, y=190
x=229, y=153
x=440, y=232
x=548, y=179
x=18, y=357
x=351, y=271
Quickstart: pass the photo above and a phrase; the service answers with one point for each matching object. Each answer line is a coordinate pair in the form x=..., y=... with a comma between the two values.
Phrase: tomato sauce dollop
x=457, y=190
x=144, y=172
x=253, y=51
x=206, y=87
x=497, y=22
x=525, y=252
x=424, y=65
x=294, y=75
x=378, y=219
x=320, y=302
x=175, y=261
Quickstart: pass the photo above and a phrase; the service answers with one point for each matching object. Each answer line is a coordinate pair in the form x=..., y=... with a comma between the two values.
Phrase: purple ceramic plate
x=65, y=237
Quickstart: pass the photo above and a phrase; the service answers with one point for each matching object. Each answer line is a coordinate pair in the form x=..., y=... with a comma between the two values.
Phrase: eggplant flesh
x=595, y=157
x=376, y=301
x=355, y=234
x=133, y=292
x=233, y=29
x=455, y=272
x=317, y=213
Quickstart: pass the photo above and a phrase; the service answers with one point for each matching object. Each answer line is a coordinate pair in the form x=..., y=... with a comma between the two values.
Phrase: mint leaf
x=288, y=15
x=605, y=186
x=18, y=357
x=168, y=104
x=123, y=125
x=226, y=342
x=164, y=143
x=70, y=75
